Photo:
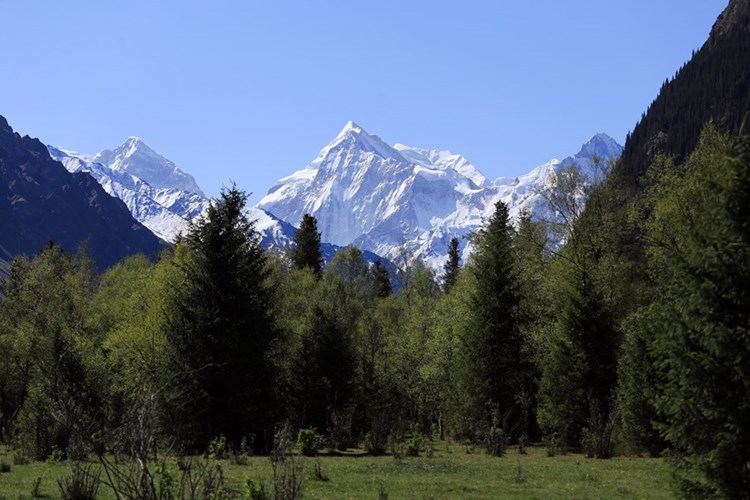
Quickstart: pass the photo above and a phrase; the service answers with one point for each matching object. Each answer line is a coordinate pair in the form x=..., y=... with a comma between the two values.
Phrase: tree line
x=632, y=337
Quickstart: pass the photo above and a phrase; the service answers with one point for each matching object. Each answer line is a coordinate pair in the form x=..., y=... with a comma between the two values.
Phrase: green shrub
x=413, y=445
x=254, y=491
x=495, y=441
x=375, y=443
x=217, y=448
x=82, y=484
x=20, y=458
x=309, y=442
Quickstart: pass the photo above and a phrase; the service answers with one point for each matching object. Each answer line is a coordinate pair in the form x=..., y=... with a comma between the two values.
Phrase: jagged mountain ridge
x=714, y=85
x=167, y=210
x=41, y=201
x=398, y=202
x=136, y=157
x=404, y=201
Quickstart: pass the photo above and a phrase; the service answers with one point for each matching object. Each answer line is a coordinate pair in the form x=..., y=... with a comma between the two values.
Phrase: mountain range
x=399, y=202
x=41, y=201
x=405, y=201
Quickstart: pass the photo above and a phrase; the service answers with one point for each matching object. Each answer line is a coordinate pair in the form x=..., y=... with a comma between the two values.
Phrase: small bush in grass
x=36, y=491
x=254, y=491
x=82, y=484
x=239, y=459
x=56, y=455
x=309, y=442
x=520, y=474
x=375, y=443
x=382, y=493
x=413, y=445
x=552, y=443
x=217, y=448
x=495, y=438
x=20, y=459
x=495, y=441
x=396, y=448
x=287, y=471
x=430, y=448
x=247, y=444
x=318, y=472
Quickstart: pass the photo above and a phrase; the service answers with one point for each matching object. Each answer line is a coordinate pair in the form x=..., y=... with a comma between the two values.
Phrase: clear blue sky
x=250, y=91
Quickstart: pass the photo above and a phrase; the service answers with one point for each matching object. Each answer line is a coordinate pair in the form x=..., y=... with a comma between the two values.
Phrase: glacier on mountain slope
x=136, y=157
x=403, y=202
x=398, y=202
x=165, y=210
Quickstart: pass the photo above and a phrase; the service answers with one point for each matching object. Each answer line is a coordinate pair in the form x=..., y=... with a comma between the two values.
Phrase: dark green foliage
x=495, y=366
x=309, y=442
x=639, y=379
x=580, y=369
x=306, y=251
x=451, y=266
x=699, y=249
x=588, y=289
x=381, y=280
x=220, y=328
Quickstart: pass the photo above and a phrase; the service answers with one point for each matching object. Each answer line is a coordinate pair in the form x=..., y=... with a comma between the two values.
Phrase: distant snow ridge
x=399, y=202
x=165, y=209
x=405, y=201
x=137, y=158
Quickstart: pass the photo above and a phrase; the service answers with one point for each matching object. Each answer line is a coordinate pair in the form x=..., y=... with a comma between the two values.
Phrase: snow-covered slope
x=166, y=210
x=137, y=158
x=404, y=201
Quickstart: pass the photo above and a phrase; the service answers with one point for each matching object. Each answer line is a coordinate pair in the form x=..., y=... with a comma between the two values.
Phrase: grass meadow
x=453, y=471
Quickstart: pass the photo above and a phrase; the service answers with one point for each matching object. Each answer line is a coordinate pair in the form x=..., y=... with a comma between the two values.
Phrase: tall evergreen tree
x=494, y=362
x=306, y=251
x=220, y=328
x=700, y=257
x=580, y=367
x=451, y=266
x=381, y=280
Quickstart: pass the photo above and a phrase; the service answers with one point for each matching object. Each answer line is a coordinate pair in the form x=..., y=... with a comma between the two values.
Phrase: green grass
x=450, y=473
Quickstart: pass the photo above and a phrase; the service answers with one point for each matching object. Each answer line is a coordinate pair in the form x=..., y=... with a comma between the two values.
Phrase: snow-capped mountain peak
x=401, y=200
x=138, y=158
x=352, y=136
x=601, y=145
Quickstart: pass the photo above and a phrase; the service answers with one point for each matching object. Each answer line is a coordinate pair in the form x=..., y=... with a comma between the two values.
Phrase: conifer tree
x=494, y=363
x=451, y=266
x=381, y=280
x=220, y=328
x=700, y=259
x=307, y=252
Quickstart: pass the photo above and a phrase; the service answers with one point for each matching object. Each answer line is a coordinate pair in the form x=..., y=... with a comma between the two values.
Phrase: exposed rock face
x=41, y=201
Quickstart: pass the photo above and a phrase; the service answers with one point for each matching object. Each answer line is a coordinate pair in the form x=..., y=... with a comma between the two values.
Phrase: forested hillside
x=714, y=85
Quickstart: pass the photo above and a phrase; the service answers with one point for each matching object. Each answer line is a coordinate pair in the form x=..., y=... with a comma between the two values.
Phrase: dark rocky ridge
x=713, y=86
x=41, y=201
x=736, y=17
